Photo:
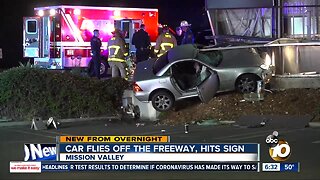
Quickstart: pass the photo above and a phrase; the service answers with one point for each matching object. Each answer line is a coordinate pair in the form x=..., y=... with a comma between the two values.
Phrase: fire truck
x=58, y=37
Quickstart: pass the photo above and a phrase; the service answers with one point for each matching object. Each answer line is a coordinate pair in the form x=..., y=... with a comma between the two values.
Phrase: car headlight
x=267, y=62
x=265, y=67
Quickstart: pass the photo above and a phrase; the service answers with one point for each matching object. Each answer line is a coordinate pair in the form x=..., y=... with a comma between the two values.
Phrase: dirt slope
x=232, y=105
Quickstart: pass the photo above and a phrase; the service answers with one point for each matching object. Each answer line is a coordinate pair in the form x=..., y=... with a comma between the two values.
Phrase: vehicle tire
x=247, y=83
x=103, y=69
x=162, y=101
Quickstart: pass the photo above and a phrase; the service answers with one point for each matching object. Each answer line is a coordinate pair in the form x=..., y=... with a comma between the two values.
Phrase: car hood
x=144, y=71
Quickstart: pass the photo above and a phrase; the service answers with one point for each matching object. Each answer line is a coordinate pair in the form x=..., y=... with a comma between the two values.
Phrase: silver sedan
x=187, y=71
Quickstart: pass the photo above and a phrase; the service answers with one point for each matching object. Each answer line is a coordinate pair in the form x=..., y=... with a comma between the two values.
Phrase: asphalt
x=294, y=121
x=304, y=142
x=9, y=122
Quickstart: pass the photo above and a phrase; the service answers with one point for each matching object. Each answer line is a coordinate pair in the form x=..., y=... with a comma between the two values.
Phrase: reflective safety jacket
x=117, y=49
x=164, y=42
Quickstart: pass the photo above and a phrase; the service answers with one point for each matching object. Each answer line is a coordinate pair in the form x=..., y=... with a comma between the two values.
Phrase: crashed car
x=187, y=71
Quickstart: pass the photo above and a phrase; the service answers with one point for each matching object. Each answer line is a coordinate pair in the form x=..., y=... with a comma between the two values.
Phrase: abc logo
x=272, y=140
x=279, y=150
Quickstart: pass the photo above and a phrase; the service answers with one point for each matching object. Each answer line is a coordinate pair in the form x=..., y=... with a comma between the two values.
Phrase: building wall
x=291, y=18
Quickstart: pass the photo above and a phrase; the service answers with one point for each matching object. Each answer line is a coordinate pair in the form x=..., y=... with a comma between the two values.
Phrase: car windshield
x=160, y=63
x=187, y=51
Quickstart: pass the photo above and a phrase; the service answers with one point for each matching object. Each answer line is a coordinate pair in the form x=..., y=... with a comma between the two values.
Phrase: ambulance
x=58, y=37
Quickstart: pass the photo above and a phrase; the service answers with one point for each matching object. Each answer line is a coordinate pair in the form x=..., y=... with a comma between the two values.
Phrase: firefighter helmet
x=184, y=24
x=116, y=32
x=165, y=27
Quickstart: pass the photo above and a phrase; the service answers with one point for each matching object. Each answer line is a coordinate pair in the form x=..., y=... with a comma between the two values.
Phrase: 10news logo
x=279, y=149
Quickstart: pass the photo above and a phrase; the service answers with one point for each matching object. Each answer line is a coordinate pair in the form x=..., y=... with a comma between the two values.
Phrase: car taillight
x=136, y=88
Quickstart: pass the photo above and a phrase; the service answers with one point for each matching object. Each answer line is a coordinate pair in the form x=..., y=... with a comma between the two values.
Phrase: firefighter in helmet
x=188, y=37
x=165, y=41
x=117, y=53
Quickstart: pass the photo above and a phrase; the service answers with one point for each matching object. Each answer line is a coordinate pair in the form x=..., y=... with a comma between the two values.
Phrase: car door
x=209, y=86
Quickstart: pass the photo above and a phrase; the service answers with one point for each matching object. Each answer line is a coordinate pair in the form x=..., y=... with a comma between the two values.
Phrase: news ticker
x=39, y=167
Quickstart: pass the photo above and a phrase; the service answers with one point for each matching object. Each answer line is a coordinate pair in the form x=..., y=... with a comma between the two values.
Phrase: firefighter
x=96, y=49
x=117, y=53
x=141, y=41
x=188, y=37
x=165, y=41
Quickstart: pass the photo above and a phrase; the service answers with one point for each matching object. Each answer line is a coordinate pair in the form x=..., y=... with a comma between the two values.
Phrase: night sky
x=171, y=12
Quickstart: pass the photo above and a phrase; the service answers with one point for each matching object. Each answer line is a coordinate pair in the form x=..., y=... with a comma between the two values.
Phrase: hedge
x=31, y=92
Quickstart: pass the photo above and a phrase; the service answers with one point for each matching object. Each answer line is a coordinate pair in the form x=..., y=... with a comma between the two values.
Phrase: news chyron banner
x=151, y=153
x=135, y=153
x=158, y=152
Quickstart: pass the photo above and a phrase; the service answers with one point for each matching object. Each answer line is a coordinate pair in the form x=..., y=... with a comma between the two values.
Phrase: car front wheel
x=162, y=101
x=247, y=83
